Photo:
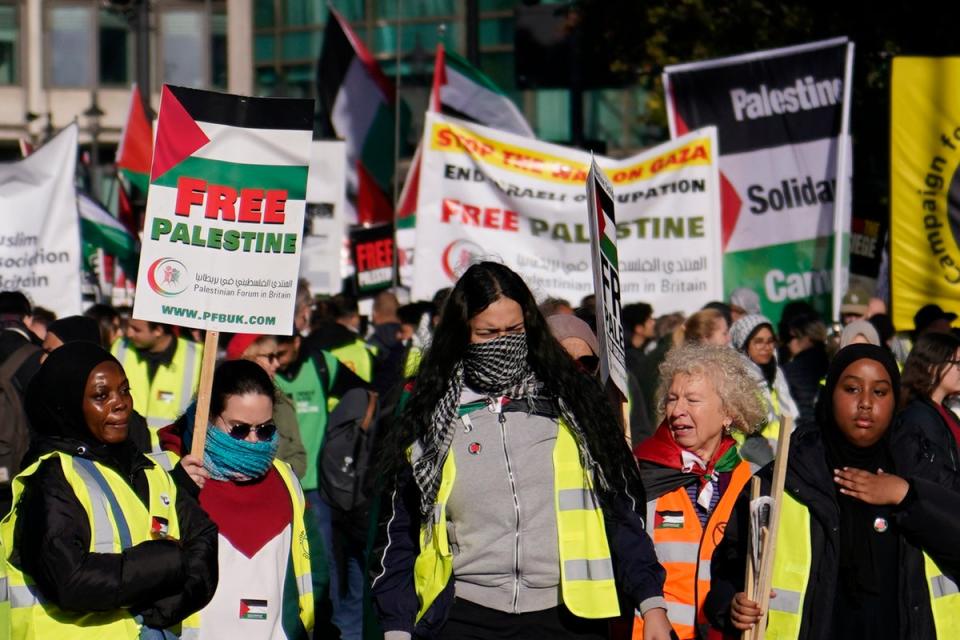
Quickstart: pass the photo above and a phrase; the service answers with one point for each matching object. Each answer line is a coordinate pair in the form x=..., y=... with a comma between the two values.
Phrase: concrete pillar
x=240, y=47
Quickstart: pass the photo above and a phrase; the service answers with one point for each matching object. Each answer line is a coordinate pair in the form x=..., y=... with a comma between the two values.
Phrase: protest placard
x=224, y=221
x=372, y=251
x=489, y=193
x=324, y=257
x=40, y=242
x=606, y=278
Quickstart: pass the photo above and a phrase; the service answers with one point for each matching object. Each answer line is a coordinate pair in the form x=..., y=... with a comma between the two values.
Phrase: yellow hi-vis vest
x=299, y=558
x=357, y=356
x=168, y=396
x=4, y=597
x=791, y=575
x=586, y=568
x=118, y=520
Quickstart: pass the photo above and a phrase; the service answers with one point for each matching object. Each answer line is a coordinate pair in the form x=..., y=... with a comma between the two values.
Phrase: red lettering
x=445, y=138
x=511, y=221
x=471, y=215
x=220, y=201
x=274, y=208
x=189, y=192
x=451, y=209
x=699, y=153
x=250, y=200
x=491, y=218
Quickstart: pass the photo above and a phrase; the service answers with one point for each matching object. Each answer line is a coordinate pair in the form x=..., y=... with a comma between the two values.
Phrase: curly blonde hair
x=739, y=392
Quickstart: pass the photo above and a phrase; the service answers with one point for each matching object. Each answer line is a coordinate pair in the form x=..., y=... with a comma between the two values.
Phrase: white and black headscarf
x=496, y=368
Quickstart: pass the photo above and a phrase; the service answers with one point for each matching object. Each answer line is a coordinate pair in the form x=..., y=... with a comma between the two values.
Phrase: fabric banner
x=925, y=184
x=222, y=236
x=491, y=194
x=40, y=251
x=371, y=249
x=324, y=256
x=780, y=117
x=606, y=278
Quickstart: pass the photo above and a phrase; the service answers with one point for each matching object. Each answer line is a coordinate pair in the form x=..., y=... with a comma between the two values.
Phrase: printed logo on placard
x=168, y=277
x=253, y=609
x=458, y=256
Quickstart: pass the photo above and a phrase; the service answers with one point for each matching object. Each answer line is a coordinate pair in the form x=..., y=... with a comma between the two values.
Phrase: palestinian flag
x=136, y=147
x=358, y=104
x=463, y=91
x=100, y=230
x=251, y=609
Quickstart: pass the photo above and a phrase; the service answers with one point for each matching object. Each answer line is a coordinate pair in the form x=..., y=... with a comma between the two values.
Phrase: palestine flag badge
x=253, y=609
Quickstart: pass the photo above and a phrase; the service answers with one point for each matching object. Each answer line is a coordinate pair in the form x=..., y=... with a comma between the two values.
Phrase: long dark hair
x=481, y=285
x=928, y=361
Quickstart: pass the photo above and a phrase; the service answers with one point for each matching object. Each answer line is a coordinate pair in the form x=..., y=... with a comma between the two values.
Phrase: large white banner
x=40, y=227
x=489, y=194
x=324, y=237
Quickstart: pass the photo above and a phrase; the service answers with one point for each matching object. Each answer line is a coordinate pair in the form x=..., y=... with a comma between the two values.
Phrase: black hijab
x=859, y=547
x=54, y=404
x=75, y=329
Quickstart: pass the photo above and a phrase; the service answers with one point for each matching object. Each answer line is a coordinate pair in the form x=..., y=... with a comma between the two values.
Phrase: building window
x=9, y=44
x=218, y=50
x=116, y=49
x=184, y=48
x=71, y=46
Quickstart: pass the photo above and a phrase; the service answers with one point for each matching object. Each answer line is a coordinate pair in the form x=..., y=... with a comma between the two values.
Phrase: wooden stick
x=203, y=393
x=770, y=545
x=625, y=409
x=749, y=583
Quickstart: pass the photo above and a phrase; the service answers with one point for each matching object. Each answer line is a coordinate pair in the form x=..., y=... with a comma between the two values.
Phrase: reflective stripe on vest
x=685, y=549
x=791, y=575
x=586, y=568
x=117, y=520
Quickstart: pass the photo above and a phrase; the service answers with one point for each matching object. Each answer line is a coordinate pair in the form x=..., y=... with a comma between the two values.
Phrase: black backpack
x=347, y=446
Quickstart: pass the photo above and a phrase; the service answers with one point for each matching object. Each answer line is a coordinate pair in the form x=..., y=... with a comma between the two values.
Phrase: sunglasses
x=588, y=364
x=269, y=356
x=264, y=431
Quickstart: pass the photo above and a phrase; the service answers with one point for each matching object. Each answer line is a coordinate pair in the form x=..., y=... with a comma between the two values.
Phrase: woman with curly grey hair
x=692, y=470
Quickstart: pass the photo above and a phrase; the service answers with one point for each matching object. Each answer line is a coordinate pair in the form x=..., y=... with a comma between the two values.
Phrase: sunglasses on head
x=242, y=430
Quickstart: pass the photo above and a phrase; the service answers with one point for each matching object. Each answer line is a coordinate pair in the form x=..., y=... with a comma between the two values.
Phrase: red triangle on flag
x=136, y=140
x=178, y=135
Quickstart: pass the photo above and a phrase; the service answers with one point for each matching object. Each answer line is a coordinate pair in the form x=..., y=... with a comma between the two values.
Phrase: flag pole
x=396, y=146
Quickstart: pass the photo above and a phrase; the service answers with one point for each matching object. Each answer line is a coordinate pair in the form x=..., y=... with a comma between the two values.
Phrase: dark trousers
x=469, y=621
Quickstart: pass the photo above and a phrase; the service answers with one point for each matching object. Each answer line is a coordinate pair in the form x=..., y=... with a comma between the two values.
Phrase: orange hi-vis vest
x=685, y=549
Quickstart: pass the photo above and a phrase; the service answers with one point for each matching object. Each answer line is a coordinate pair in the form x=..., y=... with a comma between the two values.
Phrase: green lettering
x=696, y=227
x=213, y=237
x=271, y=243
x=161, y=227
x=561, y=232
x=247, y=237
x=538, y=226
x=180, y=233
x=196, y=240
x=231, y=240
x=290, y=243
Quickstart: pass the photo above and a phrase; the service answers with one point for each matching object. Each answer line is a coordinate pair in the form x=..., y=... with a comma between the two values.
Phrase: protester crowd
x=454, y=469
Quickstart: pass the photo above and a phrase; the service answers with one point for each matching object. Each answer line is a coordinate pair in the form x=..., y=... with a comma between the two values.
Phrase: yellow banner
x=924, y=159
x=451, y=138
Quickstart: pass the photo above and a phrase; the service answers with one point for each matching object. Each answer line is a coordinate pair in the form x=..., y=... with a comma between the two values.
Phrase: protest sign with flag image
x=783, y=123
x=463, y=91
x=40, y=242
x=222, y=235
x=358, y=103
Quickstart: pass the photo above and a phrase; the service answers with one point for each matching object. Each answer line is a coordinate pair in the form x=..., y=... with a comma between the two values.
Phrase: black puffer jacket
x=928, y=520
x=922, y=441
x=162, y=580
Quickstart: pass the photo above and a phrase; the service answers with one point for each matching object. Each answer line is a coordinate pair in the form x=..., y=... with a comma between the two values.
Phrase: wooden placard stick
x=202, y=416
x=749, y=583
x=765, y=578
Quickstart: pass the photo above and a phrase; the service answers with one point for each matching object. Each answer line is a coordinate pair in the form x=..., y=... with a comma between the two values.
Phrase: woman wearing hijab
x=266, y=583
x=692, y=471
x=927, y=436
x=864, y=549
x=100, y=544
x=509, y=485
x=753, y=336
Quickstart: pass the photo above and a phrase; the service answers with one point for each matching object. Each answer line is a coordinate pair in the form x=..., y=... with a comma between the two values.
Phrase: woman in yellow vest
x=100, y=544
x=514, y=508
x=865, y=549
x=692, y=471
x=753, y=336
x=266, y=584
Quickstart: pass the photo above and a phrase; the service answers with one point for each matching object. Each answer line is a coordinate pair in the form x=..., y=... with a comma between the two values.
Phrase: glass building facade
x=403, y=34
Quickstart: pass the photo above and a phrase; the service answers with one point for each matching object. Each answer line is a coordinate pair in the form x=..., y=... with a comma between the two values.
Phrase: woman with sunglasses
x=753, y=336
x=265, y=590
x=513, y=507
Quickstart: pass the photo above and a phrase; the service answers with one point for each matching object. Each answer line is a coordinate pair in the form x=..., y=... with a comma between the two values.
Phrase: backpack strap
x=371, y=409
x=16, y=359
